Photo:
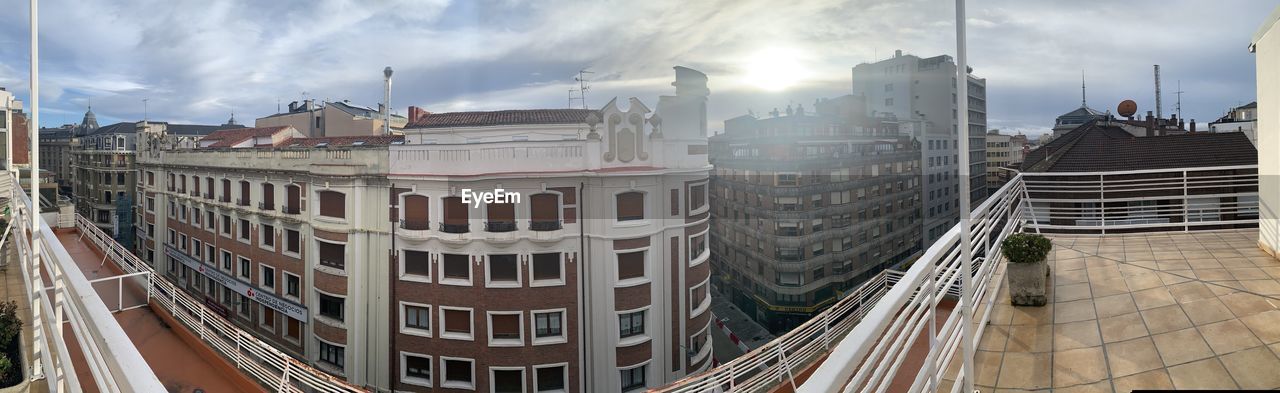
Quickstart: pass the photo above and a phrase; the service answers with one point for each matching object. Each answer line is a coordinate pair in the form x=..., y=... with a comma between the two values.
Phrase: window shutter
x=416, y=212
x=457, y=321
x=630, y=265
x=455, y=212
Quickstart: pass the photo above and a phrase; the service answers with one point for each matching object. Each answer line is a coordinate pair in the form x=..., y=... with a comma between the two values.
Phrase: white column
x=966, y=244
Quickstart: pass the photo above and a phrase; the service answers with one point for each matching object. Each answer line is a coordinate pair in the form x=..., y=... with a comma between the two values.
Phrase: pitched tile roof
x=507, y=117
x=231, y=137
x=1096, y=147
x=198, y=129
x=371, y=140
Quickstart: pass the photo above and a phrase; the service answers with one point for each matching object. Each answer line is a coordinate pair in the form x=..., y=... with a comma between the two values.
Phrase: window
x=293, y=199
x=547, y=269
x=293, y=241
x=457, y=322
x=504, y=270
x=267, y=277
x=505, y=328
x=151, y=178
x=631, y=324
x=333, y=204
x=630, y=206
x=455, y=216
x=292, y=285
x=456, y=267
x=226, y=190
x=417, y=369
x=544, y=212
x=416, y=213
x=633, y=378
x=268, y=318
x=697, y=246
x=417, y=263
x=417, y=317
x=697, y=197
x=548, y=325
x=244, y=230
x=268, y=197
x=631, y=265
x=226, y=225
x=331, y=306
x=267, y=234
x=334, y=355
x=458, y=373
x=226, y=260
x=698, y=299
x=333, y=255
x=245, y=267
x=549, y=379
x=244, y=194
x=209, y=221
x=508, y=380
x=501, y=217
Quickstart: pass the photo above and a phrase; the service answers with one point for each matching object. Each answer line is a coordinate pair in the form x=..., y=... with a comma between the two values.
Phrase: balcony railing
x=544, y=225
x=266, y=206
x=414, y=225
x=862, y=341
x=499, y=226
x=455, y=228
x=290, y=209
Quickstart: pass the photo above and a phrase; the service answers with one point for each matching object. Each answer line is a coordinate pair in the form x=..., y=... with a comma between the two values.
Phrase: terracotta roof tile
x=229, y=138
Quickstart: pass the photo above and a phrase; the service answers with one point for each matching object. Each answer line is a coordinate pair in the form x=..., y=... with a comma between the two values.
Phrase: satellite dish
x=1127, y=108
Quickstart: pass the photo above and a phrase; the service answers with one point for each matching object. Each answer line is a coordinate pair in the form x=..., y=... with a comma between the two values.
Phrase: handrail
x=113, y=360
x=274, y=369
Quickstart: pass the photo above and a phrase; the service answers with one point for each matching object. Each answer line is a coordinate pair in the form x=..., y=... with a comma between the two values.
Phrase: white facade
x=1266, y=50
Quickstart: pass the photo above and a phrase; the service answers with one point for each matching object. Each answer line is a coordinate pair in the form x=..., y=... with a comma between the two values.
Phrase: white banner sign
x=287, y=307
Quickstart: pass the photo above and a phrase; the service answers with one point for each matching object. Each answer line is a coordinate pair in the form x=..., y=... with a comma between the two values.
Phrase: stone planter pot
x=1027, y=283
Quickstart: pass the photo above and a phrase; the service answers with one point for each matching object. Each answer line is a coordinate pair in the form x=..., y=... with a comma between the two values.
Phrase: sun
x=774, y=69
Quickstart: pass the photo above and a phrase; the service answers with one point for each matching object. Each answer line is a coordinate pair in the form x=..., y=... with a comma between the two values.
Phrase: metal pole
x=966, y=244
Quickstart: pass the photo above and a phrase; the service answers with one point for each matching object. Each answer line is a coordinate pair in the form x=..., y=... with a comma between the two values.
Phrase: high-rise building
x=810, y=204
x=585, y=269
x=915, y=89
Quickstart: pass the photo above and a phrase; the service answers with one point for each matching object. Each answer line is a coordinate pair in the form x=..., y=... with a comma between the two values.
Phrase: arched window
x=417, y=211
x=544, y=212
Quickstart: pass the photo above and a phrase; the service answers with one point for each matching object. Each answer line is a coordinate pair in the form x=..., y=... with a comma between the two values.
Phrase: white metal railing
x=863, y=340
x=111, y=358
x=272, y=368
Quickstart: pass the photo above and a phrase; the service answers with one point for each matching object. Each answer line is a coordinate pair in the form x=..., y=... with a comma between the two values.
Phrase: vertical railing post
x=1186, y=204
x=1102, y=201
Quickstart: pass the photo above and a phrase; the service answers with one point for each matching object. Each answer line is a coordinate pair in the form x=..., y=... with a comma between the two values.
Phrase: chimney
x=897, y=53
x=1151, y=124
x=293, y=106
x=416, y=114
x=1193, y=125
x=1182, y=124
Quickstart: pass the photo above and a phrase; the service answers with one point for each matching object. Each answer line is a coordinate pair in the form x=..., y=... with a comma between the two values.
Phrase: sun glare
x=774, y=69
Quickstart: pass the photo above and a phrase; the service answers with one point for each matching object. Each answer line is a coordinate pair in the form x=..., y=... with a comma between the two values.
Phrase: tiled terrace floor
x=1153, y=311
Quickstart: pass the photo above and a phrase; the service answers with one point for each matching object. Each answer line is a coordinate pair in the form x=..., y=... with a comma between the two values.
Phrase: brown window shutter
x=457, y=266
x=502, y=212
x=244, y=192
x=503, y=267
x=544, y=207
x=332, y=255
x=416, y=212
x=630, y=206
x=417, y=262
x=546, y=266
x=333, y=204
x=506, y=326
x=455, y=212
x=295, y=328
x=675, y=202
x=697, y=196
x=630, y=265
x=457, y=321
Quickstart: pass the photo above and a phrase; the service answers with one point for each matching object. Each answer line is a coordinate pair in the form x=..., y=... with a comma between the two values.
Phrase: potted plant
x=1028, y=268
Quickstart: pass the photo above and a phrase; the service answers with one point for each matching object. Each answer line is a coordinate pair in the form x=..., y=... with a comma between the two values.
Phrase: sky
x=200, y=62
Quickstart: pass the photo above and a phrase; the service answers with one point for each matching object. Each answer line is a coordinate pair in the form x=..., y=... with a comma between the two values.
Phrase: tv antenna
x=1178, y=107
x=583, y=87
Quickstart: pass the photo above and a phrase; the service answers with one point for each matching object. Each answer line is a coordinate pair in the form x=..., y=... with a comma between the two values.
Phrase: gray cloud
x=199, y=62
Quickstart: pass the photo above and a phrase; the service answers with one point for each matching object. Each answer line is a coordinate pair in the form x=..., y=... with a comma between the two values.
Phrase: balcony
x=1174, y=294
x=242, y=202
x=415, y=225
x=266, y=206
x=291, y=209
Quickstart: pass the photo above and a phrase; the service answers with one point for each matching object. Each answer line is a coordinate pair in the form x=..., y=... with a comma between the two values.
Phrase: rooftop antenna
x=571, y=98
x=1083, y=96
x=1159, y=112
x=1178, y=106
x=582, y=86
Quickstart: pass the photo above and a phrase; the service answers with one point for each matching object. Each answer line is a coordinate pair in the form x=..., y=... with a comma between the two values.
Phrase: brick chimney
x=1193, y=125
x=1151, y=124
x=416, y=113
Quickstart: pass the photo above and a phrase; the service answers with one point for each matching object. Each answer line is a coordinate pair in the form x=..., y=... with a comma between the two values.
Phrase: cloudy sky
x=201, y=61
